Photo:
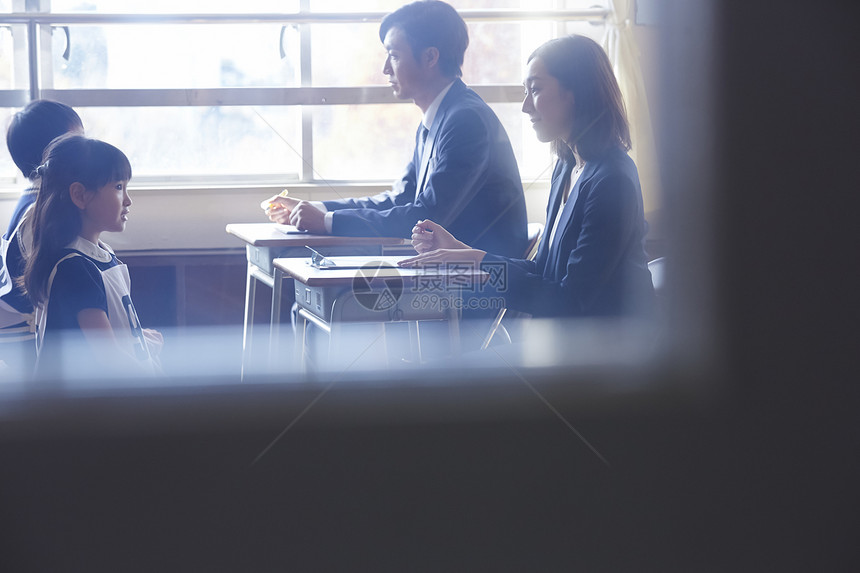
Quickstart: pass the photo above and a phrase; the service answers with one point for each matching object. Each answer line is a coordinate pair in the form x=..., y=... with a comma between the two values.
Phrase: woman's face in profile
x=548, y=105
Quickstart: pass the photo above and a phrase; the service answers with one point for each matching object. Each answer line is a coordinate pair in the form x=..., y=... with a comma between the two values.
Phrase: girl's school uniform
x=88, y=276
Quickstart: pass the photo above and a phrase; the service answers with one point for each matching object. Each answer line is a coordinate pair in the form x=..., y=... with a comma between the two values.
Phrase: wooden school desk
x=266, y=241
x=373, y=289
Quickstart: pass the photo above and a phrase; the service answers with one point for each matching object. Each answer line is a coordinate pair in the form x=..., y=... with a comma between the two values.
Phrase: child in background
x=29, y=133
x=86, y=321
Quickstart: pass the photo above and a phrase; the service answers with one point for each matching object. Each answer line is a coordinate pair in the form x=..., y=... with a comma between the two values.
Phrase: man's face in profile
x=403, y=70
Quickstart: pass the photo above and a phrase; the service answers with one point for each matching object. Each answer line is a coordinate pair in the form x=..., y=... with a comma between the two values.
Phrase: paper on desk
x=361, y=262
x=288, y=229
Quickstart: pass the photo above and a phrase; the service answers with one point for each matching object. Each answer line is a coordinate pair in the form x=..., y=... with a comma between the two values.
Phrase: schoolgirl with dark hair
x=86, y=322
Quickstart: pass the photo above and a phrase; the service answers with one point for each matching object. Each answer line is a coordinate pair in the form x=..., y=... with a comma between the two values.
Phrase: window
x=263, y=91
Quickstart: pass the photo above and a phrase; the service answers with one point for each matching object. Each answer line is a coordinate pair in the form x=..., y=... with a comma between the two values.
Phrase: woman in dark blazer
x=591, y=260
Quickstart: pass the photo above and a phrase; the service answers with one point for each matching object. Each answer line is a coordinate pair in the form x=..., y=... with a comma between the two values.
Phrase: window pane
x=532, y=155
x=375, y=142
x=351, y=54
x=495, y=55
x=594, y=30
x=7, y=56
x=174, y=6
x=391, y=5
x=174, y=56
x=207, y=141
x=347, y=55
x=356, y=6
x=377, y=145
x=497, y=51
x=367, y=142
x=8, y=171
x=288, y=6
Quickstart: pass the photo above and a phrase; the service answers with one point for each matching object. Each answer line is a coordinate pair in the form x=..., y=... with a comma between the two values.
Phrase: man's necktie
x=422, y=140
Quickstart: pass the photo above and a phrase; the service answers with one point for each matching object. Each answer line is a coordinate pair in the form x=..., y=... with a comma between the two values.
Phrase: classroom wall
x=194, y=218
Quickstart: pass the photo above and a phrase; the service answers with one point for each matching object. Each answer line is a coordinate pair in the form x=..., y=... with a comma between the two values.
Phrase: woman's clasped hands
x=435, y=245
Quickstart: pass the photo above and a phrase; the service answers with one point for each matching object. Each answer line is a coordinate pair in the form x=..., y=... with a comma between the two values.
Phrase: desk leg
x=415, y=343
x=299, y=345
x=497, y=322
x=334, y=356
x=248, y=327
x=305, y=320
x=275, y=322
x=454, y=330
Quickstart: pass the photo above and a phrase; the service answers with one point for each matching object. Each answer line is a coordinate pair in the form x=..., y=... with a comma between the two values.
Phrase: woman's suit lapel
x=573, y=205
x=562, y=168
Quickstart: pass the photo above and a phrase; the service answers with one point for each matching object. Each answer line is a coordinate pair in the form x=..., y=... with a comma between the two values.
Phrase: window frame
x=37, y=58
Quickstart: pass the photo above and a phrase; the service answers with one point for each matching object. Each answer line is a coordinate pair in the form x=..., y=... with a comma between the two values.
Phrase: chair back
x=535, y=231
x=658, y=274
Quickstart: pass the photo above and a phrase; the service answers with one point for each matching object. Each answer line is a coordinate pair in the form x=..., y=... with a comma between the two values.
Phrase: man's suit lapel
x=428, y=151
x=430, y=144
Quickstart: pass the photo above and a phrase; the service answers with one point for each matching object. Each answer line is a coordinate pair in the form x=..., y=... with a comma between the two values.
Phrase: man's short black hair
x=34, y=127
x=430, y=23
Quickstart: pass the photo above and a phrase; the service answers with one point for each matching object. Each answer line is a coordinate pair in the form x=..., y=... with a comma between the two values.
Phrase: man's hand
x=279, y=208
x=428, y=236
x=306, y=217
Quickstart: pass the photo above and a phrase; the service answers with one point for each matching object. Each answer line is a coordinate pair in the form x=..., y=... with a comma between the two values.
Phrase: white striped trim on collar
x=100, y=252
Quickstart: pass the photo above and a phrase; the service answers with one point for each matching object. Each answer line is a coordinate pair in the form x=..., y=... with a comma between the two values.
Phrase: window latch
x=284, y=28
x=68, y=48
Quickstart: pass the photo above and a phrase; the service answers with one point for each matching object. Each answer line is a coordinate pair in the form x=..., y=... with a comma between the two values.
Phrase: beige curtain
x=620, y=46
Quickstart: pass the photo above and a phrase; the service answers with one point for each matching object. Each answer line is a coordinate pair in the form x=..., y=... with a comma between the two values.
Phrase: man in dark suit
x=463, y=173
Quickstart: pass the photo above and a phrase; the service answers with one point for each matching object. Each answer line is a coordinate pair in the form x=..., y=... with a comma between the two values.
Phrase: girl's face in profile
x=106, y=209
x=550, y=107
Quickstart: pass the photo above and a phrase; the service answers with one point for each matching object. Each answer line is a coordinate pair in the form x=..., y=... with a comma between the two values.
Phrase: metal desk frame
x=264, y=242
x=344, y=304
